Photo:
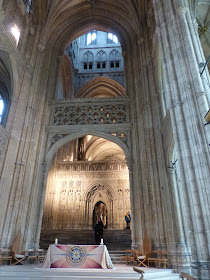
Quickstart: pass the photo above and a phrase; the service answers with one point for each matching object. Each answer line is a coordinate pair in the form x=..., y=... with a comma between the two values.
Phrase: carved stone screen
x=74, y=188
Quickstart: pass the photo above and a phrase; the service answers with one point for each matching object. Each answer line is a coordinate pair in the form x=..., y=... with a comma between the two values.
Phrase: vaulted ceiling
x=64, y=20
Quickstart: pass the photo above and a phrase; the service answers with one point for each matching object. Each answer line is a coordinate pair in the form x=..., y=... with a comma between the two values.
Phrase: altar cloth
x=78, y=256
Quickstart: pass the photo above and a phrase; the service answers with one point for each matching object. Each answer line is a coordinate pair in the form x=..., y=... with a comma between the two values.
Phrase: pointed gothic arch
x=76, y=135
x=100, y=87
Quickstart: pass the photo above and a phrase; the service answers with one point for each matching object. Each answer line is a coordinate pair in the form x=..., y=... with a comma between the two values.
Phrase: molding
x=76, y=101
x=79, y=133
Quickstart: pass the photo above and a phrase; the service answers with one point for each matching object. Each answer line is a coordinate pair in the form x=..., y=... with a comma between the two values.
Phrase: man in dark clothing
x=100, y=228
x=97, y=235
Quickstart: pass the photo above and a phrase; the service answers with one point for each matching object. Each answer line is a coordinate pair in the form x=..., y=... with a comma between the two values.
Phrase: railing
x=186, y=276
x=139, y=271
x=90, y=111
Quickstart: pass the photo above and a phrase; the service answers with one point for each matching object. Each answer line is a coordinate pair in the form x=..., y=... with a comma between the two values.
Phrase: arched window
x=101, y=60
x=88, y=60
x=1, y=108
x=28, y=4
x=114, y=59
x=5, y=86
x=91, y=38
x=112, y=39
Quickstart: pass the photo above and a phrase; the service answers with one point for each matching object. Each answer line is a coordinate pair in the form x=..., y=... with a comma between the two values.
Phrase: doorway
x=100, y=212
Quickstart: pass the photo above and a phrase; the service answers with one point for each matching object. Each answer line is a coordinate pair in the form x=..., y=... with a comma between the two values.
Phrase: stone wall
x=73, y=189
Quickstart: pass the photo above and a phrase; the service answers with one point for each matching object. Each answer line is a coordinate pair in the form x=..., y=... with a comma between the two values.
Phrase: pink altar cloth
x=78, y=256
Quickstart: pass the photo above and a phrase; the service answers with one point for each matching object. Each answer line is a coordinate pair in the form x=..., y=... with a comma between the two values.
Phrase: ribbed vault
x=67, y=20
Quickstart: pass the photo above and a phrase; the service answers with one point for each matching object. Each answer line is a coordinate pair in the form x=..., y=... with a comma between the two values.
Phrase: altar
x=78, y=256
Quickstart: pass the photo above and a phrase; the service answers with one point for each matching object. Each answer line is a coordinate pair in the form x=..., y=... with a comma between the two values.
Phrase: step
x=29, y=272
x=114, y=239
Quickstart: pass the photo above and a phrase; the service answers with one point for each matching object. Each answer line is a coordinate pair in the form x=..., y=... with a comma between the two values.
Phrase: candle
x=56, y=241
x=102, y=241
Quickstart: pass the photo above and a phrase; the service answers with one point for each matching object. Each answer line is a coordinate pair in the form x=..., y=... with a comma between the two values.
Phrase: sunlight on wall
x=16, y=33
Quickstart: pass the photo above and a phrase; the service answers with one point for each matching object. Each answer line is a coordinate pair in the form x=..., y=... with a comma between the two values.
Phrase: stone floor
x=124, y=272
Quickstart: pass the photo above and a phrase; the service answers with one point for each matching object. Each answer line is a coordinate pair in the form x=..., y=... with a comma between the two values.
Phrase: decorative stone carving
x=78, y=186
x=55, y=137
x=89, y=114
x=81, y=79
x=84, y=166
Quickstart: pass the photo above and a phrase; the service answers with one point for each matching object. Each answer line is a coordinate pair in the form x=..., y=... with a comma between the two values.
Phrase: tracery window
x=91, y=38
x=1, y=108
x=88, y=60
x=114, y=59
x=101, y=60
x=112, y=39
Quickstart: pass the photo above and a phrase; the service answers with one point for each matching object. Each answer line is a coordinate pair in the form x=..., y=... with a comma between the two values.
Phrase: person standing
x=128, y=219
x=97, y=234
x=101, y=228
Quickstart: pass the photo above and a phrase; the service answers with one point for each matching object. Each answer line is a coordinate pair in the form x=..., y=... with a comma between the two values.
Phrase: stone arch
x=118, y=19
x=100, y=86
x=65, y=83
x=124, y=22
x=90, y=190
x=76, y=135
x=95, y=192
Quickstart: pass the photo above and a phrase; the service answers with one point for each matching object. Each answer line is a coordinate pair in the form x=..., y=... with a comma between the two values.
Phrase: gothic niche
x=88, y=179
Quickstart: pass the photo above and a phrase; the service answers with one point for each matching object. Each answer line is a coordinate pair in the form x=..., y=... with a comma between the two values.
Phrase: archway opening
x=92, y=67
x=100, y=213
x=88, y=179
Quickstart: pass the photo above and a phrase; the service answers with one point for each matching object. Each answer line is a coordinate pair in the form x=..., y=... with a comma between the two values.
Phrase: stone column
x=150, y=178
x=187, y=103
x=45, y=171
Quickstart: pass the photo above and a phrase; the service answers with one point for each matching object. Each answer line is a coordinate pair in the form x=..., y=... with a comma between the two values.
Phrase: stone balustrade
x=90, y=111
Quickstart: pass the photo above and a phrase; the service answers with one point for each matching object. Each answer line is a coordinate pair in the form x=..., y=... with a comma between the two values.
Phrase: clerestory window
x=112, y=39
x=91, y=38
